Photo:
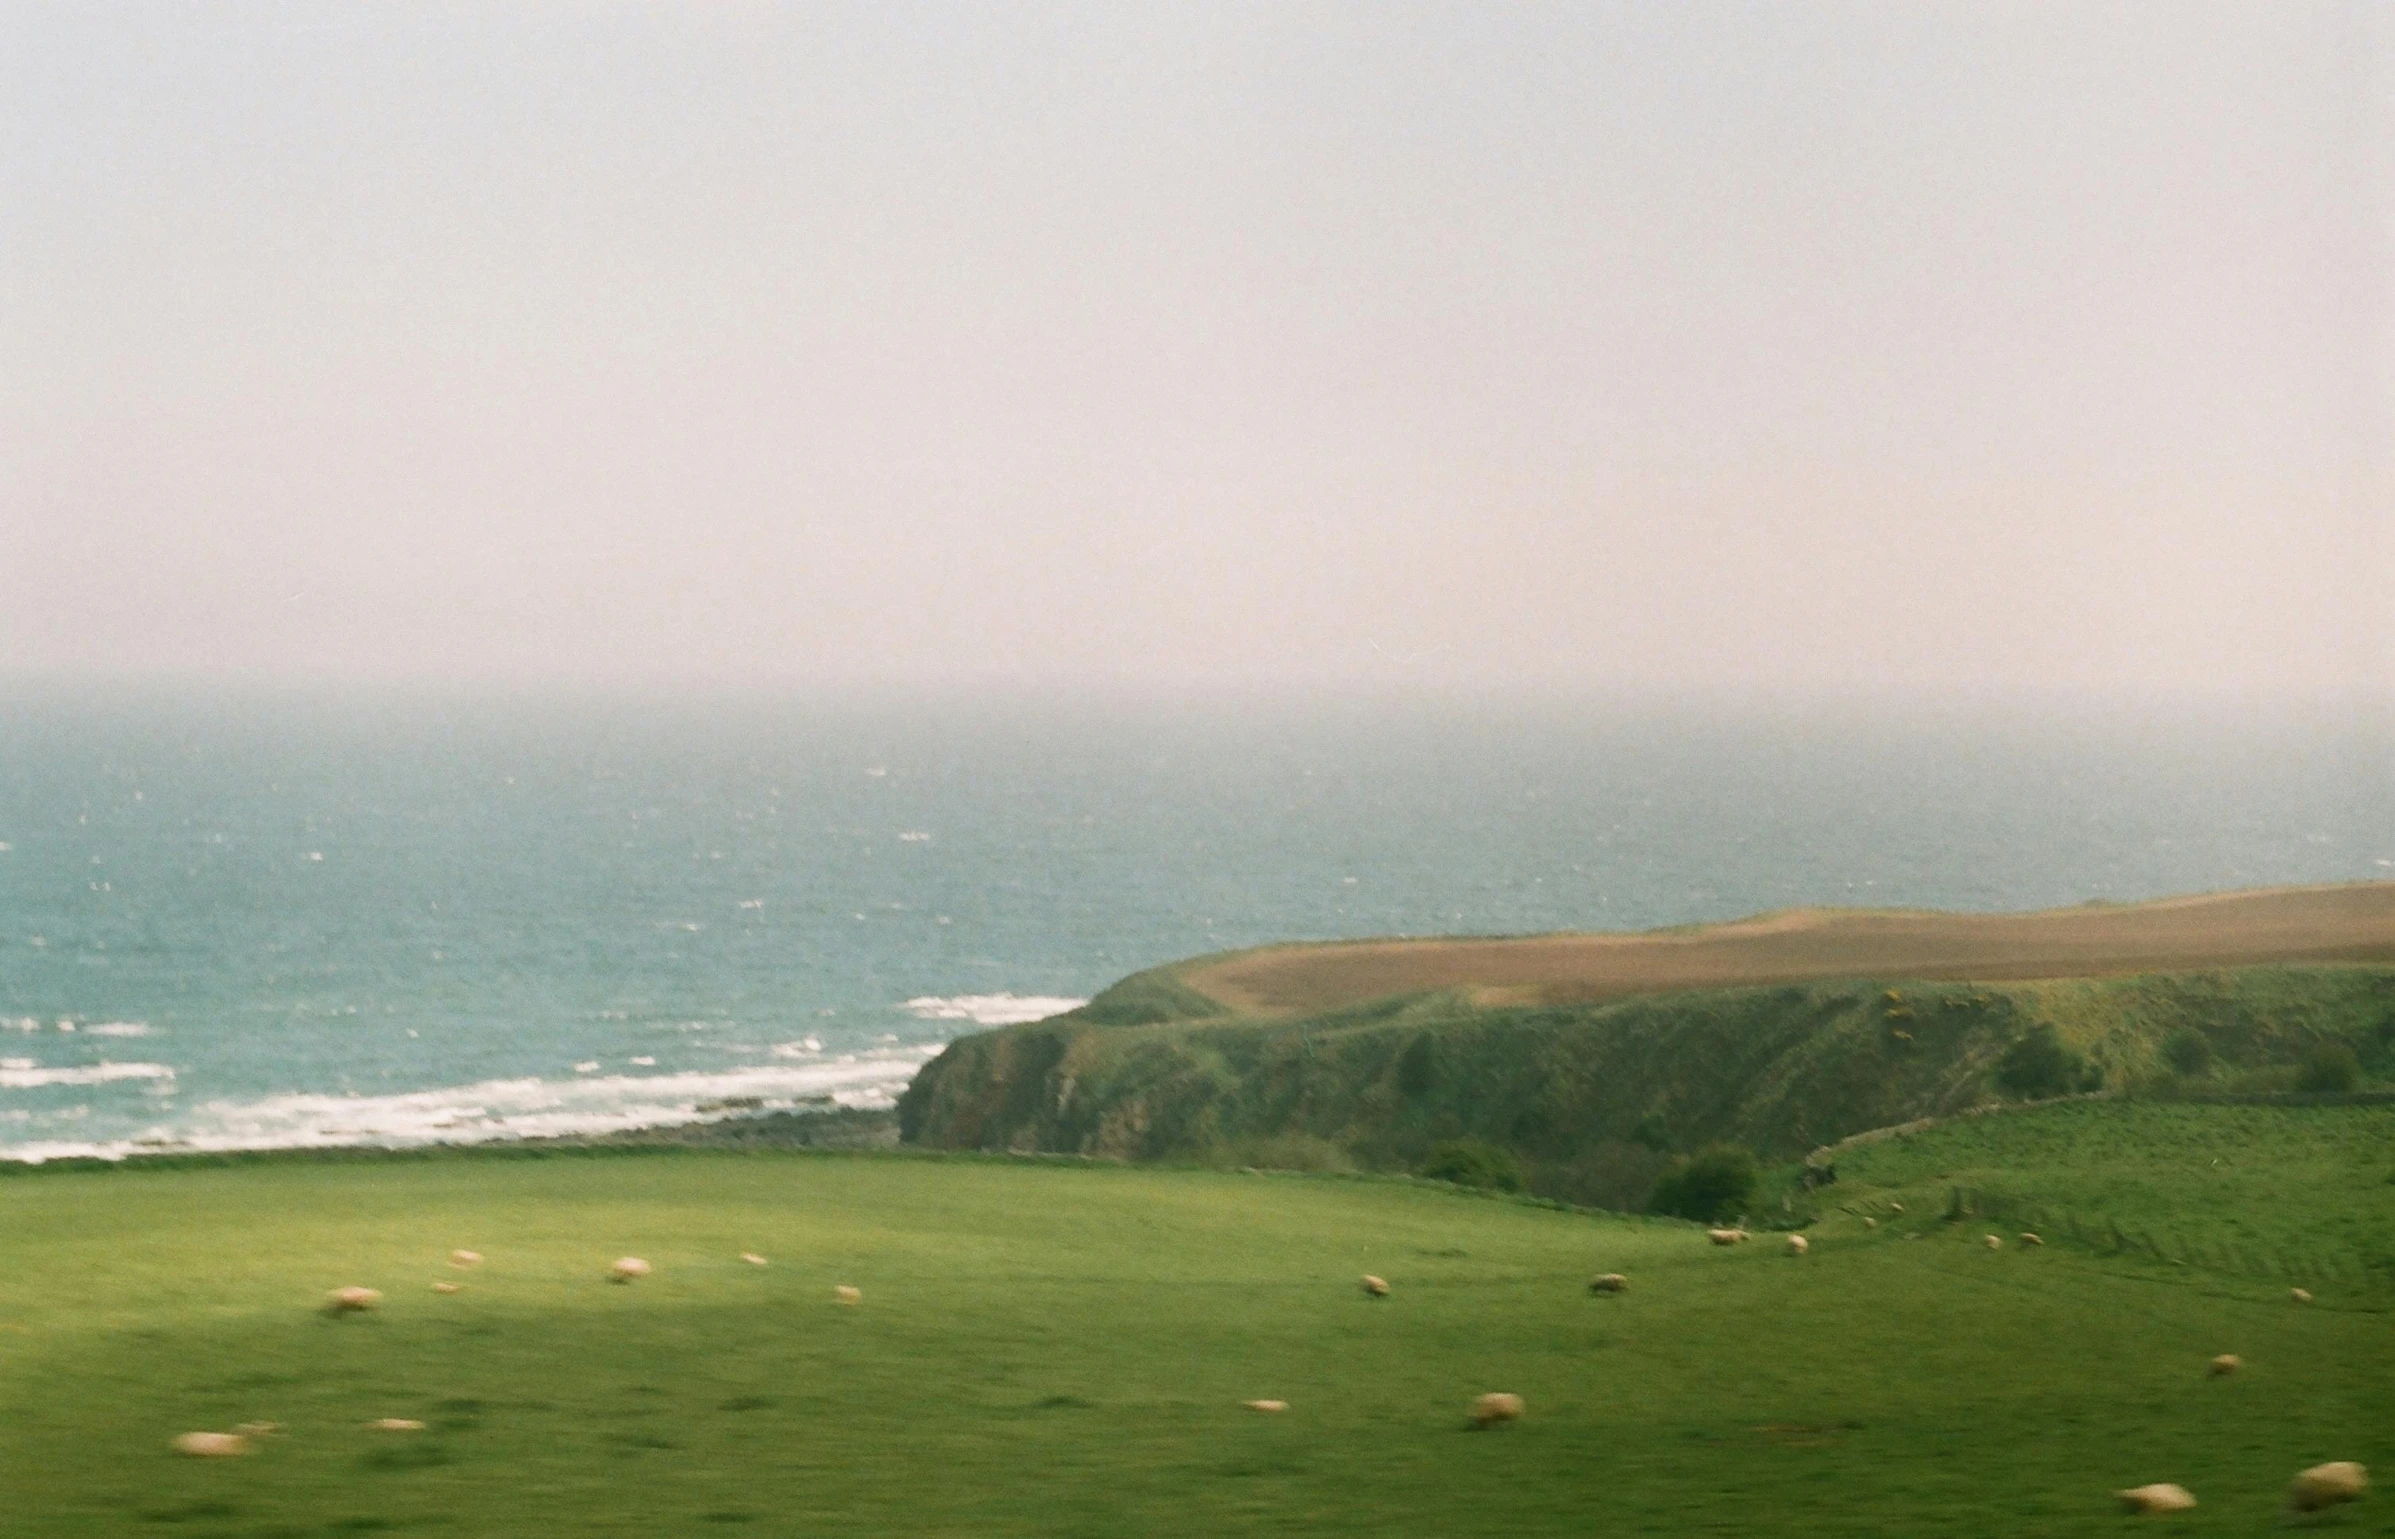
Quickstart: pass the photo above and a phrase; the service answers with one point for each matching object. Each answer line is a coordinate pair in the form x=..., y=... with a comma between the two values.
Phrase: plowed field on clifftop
x=2354, y=922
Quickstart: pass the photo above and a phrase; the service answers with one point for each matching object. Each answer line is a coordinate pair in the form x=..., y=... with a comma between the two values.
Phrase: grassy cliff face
x=1594, y=1098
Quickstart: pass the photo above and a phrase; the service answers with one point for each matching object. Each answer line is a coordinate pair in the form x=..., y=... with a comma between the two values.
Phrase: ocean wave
x=991, y=1009
x=24, y=1074
x=118, y=1029
x=495, y=1109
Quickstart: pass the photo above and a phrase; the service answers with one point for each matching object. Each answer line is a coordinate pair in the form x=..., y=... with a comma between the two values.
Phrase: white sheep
x=2159, y=1497
x=1725, y=1236
x=1268, y=1407
x=342, y=1301
x=1375, y=1286
x=1609, y=1282
x=212, y=1445
x=465, y=1258
x=1494, y=1410
x=627, y=1268
x=2030, y=1239
x=752, y=1258
x=1991, y=1242
x=2325, y=1485
x=448, y=1287
x=2224, y=1365
x=395, y=1424
x=844, y=1294
x=2300, y=1295
x=1798, y=1245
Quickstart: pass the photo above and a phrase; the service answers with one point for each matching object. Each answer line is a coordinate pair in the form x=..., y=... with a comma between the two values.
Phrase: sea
x=244, y=919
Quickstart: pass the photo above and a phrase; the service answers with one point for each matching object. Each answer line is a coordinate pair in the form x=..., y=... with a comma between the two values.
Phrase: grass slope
x=1054, y=1349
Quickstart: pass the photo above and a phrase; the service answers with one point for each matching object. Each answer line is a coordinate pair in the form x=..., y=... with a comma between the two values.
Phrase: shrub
x=1418, y=1066
x=1716, y=1182
x=2188, y=1052
x=2329, y=1066
x=1467, y=1162
x=2039, y=1065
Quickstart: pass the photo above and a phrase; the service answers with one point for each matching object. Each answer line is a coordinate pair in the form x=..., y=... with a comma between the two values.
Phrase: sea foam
x=991, y=1009
x=479, y=1113
x=24, y=1074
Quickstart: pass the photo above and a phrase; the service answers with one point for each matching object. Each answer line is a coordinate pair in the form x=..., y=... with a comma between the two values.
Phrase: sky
x=1836, y=348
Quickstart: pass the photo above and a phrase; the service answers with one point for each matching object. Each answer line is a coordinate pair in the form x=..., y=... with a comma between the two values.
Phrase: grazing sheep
x=1609, y=1282
x=1269, y=1407
x=446, y=1287
x=844, y=1294
x=626, y=1268
x=1375, y=1286
x=2325, y=1485
x=1725, y=1236
x=1991, y=1242
x=2159, y=1497
x=1495, y=1410
x=1870, y=1223
x=1798, y=1245
x=395, y=1424
x=342, y=1301
x=2030, y=1239
x=2300, y=1295
x=752, y=1258
x=465, y=1258
x=2223, y=1365
x=1896, y=1207
x=212, y=1445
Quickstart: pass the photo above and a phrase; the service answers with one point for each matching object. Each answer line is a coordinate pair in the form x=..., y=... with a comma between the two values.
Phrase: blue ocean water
x=245, y=920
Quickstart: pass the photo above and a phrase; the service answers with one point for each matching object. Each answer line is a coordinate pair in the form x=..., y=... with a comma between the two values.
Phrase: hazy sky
x=1774, y=346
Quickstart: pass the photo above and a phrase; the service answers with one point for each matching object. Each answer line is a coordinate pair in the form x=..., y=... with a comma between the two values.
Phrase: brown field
x=2353, y=922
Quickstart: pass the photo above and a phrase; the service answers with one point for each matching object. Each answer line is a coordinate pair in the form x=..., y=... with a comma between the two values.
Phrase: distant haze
x=1841, y=347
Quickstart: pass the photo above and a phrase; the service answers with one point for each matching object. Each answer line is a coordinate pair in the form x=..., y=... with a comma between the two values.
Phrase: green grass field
x=1062, y=1349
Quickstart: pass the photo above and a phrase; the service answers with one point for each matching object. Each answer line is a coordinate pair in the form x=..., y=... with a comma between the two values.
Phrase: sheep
x=448, y=1287
x=343, y=1301
x=212, y=1445
x=844, y=1294
x=1495, y=1410
x=1870, y=1222
x=1609, y=1282
x=2224, y=1365
x=395, y=1424
x=2159, y=1497
x=2325, y=1485
x=1896, y=1207
x=1725, y=1236
x=2030, y=1239
x=1268, y=1407
x=1798, y=1245
x=626, y=1268
x=1991, y=1242
x=2300, y=1295
x=1377, y=1287
x=462, y=1259
x=752, y=1258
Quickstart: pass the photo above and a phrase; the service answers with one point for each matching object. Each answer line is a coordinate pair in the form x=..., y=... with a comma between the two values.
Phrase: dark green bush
x=1418, y=1066
x=1716, y=1182
x=2039, y=1065
x=2329, y=1066
x=1467, y=1162
x=2188, y=1052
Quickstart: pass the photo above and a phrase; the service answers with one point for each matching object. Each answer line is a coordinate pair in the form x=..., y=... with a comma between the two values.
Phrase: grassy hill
x=1594, y=1097
x=1062, y=1348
